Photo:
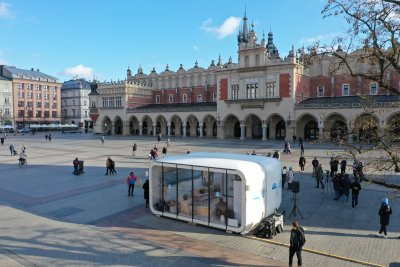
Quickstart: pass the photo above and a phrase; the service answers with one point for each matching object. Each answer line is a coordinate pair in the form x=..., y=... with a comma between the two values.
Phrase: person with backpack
x=384, y=213
x=146, y=192
x=164, y=151
x=315, y=164
x=297, y=241
x=130, y=181
x=302, y=163
x=355, y=190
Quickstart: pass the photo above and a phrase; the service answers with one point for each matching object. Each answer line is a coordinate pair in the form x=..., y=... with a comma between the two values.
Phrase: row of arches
x=334, y=126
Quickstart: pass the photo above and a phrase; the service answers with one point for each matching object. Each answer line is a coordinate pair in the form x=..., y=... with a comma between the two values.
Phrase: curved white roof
x=240, y=162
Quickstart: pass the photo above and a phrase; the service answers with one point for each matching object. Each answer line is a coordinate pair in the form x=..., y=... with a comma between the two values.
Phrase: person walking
x=346, y=187
x=76, y=166
x=343, y=165
x=301, y=148
x=319, y=175
x=11, y=148
x=146, y=192
x=108, y=165
x=355, y=190
x=297, y=241
x=102, y=139
x=164, y=151
x=336, y=186
x=130, y=181
x=134, y=148
x=290, y=176
x=315, y=165
x=46, y=137
x=284, y=173
x=168, y=143
x=384, y=213
x=112, y=167
x=49, y=137
x=302, y=163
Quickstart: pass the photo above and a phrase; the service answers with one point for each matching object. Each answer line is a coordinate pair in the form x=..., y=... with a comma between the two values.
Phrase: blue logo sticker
x=274, y=186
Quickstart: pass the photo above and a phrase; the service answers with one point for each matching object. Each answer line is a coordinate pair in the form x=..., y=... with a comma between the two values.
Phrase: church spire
x=245, y=27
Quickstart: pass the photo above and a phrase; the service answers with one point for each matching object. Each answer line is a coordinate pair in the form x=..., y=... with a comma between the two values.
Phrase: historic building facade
x=6, y=106
x=75, y=102
x=36, y=96
x=262, y=96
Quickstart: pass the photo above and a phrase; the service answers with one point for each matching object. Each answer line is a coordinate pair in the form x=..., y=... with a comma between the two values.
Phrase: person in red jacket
x=130, y=181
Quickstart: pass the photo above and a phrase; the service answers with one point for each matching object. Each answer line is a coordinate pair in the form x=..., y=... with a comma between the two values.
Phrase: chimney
x=32, y=69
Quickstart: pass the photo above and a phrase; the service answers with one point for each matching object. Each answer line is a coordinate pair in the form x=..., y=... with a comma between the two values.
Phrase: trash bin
x=80, y=169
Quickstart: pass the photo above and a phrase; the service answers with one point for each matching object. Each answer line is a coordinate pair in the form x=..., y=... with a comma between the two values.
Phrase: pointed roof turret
x=245, y=27
x=219, y=60
x=196, y=65
x=140, y=70
x=167, y=68
x=153, y=70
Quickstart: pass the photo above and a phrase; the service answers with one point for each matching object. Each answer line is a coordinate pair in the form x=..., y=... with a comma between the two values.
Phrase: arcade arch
x=231, y=126
x=118, y=125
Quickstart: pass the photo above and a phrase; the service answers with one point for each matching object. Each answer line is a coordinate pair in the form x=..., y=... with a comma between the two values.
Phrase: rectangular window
x=46, y=114
x=54, y=114
x=345, y=89
x=65, y=112
x=38, y=104
x=251, y=90
x=29, y=104
x=37, y=87
x=118, y=101
x=20, y=86
x=45, y=88
x=111, y=102
x=21, y=104
x=105, y=102
x=235, y=91
x=272, y=92
x=46, y=105
x=73, y=102
x=38, y=114
x=85, y=102
x=29, y=95
x=54, y=96
x=93, y=104
x=214, y=97
x=28, y=86
x=158, y=99
x=6, y=100
x=320, y=91
x=38, y=96
x=86, y=113
x=46, y=96
x=199, y=98
x=73, y=112
x=20, y=94
x=7, y=112
x=54, y=105
x=21, y=113
x=184, y=98
x=171, y=98
x=53, y=88
x=374, y=88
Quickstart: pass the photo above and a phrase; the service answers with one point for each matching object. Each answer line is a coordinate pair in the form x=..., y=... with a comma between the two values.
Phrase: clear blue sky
x=86, y=37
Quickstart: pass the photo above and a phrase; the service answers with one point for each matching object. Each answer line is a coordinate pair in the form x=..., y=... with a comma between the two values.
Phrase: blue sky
x=64, y=38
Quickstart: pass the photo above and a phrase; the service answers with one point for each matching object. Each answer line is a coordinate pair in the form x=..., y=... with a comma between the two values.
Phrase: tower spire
x=245, y=27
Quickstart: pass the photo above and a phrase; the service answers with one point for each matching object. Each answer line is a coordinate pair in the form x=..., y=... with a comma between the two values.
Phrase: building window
x=235, y=91
x=46, y=96
x=28, y=86
x=54, y=114
x=54, y=96
x=85, y=102
x=246, y=61
x=53, y=88
x=37, y=87
x=199, y=98
x=105, y=102
x=345, y=89
x=320, y=91
x=29, y=104
x=46, y=114
x=46, y=105
x=38, y=96
x=170, y=98
x=158, y=99
x=30, y=95
x=251, y=90
x=374, y=88
x=21, y=113
x=271, y=90
x=21, y=104
x=20, y=86
x=7, y=112
x=93, y=104
x=65, y=112
x=118, y=101
x=6, y=100
x=73, y=112
x=86, y=113
x=45, y=88
x=184, y=98
x=38, y=104
x=214, y=97
x=54, y=105
x=38, y=114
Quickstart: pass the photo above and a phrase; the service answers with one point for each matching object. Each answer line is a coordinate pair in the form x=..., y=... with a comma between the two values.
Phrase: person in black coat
x=355, y=190
x=146, y=192
x=302, y=163
x=346, y=187
x=297, y=241
x=384, y=213
x=336, y=186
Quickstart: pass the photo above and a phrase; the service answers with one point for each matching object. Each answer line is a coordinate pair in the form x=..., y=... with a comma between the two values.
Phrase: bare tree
x=368, y=49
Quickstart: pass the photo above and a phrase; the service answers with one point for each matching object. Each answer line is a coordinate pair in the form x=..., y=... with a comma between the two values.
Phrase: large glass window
x=251, y=90
x=271, y=90
x=235, y=92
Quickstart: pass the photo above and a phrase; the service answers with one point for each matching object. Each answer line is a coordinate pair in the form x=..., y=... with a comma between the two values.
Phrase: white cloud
x=196, y=48
x=5, y=11
x=319, y=38
x=79, y=71
x=227, y=28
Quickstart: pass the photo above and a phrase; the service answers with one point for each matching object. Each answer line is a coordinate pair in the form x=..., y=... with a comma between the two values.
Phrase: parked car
x=25, y=130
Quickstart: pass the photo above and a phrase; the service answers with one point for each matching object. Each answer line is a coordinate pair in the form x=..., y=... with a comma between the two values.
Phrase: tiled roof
x=350, y=99
x=2, y=78
x=32, y=72
x=76, y=84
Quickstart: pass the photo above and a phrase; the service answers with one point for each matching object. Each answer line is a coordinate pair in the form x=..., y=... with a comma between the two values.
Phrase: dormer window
x=171, y=98
x=374, y=88
x=158, y=99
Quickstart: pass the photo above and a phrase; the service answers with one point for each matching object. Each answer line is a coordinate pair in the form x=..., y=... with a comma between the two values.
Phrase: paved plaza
x=50, y=217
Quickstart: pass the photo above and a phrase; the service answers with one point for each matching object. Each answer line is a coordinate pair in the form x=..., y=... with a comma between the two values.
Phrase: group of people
x=110, y=166
x=48, y=137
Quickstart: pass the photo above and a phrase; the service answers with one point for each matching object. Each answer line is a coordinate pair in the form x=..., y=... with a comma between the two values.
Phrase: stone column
x=112, y=130
x=349, y=134
x=201, y=128
x=140, y=128
x=169, y=128
x=154, y=129
x=220, y=131
x=242, y=131
x=125, y=130
x=184, y=128
x=264, y=131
